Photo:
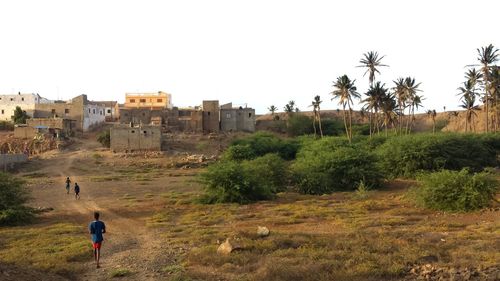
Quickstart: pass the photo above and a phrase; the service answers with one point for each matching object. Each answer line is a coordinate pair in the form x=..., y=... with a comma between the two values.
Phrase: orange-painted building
x=158, y=100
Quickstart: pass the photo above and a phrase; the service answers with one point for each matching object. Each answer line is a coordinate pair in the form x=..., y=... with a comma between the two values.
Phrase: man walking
x=68, y=182
x=96, y=229
x=77, y=191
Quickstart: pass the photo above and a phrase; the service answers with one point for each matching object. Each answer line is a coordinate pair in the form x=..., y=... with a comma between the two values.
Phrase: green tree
x=487, y=56
x=371, y=61
x=345, y=91
x=13, y=196
x=317, y=114
x=273, y=110
x=432, y=114
x=20, y=116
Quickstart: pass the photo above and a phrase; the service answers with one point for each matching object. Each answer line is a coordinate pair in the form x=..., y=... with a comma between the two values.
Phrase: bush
x=408, y=155
x=330, y=164
x=6, y=126
x=104, y=138
x=299, y=125
x=244, y=182
x=260, y=144
x=455, y=190
x=13, y=196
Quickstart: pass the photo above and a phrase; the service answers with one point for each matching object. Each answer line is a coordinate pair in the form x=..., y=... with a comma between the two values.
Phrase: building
x=26, y=102
x=111, y=111
x=125, y=138
x=237, y=119
x=56, y=127
x=87, y=114
x=160, y=100
x=211, y=116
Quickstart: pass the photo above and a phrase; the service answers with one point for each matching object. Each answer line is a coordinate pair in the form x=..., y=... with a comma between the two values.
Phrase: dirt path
x=128, y=244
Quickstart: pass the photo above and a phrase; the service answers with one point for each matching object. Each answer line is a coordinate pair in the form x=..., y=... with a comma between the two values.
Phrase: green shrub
x=330, y=164
x=455, y=190
x=260, y=144
x=13, y=196
x=104, y=138
x=244, y=182
x=407, y=155
x=299, y=125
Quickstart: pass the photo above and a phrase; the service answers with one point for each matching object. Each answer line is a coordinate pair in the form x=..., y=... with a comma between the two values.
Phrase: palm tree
x=313, y=104
x=495, y=92
x=345, y=91
x=468, y=103
x=387, y=106
x=371, y=61
x=400, y=94
x=413, y=100
x=432, y=114
x=289, y=107
x=317, y=114
x=416, y=103
x=374, y=102
x=487, y=56
x=272, y=109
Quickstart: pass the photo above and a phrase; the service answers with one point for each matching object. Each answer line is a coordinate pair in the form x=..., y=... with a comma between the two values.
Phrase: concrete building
x=235, y=119
x=111, y=111
x=211, y=116
x=152, y=101
x=56, y=127
x=86, y=114
x=26, y=102
x=126, y=138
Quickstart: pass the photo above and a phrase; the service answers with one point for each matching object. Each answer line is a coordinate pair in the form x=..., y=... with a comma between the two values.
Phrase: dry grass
x=337, y=237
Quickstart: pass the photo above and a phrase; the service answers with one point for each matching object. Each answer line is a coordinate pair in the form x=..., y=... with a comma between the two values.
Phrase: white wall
x=8, y=104
x=93, y=114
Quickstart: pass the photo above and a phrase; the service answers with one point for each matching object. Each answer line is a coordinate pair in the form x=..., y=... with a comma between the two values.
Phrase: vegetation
x=6, y=126
x=408, y=155
x=246, y=181
x=345, y=91
x=13, y=196
x=456, y=190
x=20, y=116
x=329, y=165
x=260, y=144
x=104, y=138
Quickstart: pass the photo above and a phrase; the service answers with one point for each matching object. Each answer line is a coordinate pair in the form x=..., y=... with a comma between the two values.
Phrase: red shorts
x=96, y=245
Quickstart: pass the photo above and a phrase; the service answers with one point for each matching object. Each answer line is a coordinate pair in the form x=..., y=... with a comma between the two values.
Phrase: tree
x=273, y=110
x=20, y=116
x=468, y=103
x=413, y=100
x=495, y=93
x=388, y=106
x=371, y=61
x=345, y=91
x=400, y=94
x=487, y=56
x=432, y=114
x=290, y=107
x=317, y=114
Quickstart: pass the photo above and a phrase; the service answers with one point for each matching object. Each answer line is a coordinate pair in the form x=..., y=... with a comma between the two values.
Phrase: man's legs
x=98, y=256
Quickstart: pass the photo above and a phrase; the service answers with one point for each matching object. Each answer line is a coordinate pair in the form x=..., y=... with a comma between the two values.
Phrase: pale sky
x=249, y=52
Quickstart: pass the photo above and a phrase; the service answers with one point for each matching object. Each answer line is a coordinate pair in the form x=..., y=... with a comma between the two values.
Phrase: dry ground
x=157, y=231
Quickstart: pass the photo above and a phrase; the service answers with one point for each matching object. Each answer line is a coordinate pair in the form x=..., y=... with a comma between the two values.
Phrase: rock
x=226, y=248
x=262, y=231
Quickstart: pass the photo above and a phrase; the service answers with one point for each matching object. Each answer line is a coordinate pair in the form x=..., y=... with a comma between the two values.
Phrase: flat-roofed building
x=26, y=102
x=158, y=100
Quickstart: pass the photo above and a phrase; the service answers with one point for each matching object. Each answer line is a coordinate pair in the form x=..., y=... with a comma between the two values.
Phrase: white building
x=94, y=113
x=26, y=102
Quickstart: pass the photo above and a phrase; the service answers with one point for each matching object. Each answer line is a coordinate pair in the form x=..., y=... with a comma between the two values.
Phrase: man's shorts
x=96, y=245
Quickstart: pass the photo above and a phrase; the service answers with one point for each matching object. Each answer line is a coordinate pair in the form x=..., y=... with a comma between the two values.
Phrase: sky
x=255, y=53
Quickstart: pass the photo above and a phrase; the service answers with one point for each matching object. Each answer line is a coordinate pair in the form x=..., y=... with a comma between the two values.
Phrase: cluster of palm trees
x=394, y=108
x=486, y=79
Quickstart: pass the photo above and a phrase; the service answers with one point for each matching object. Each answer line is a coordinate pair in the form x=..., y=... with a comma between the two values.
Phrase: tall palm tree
x=468, y=103
x=495, y=93
x=432, y=114
x=273, y=110
x=413, y=100
x=400, y=94
x=290, y=107
x=387, y=105
x=317, y=113
x=376, y=94
x=345, y=91
x=371, y=61
x=487, y=56
x=416, y=103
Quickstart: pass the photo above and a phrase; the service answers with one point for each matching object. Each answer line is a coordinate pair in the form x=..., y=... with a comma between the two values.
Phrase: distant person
x=77, y=191
x=97, y=228
x=68, y=185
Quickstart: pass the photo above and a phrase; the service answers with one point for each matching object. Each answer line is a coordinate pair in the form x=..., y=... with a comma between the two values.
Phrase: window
x=53, y=111
x=159, y=100
x=132, y=100
x=249, y=115
x=109, y=111
x=142, y=100
x=209, y=113
x=228, y=115
x=11, y=99
x=93, y=111
x=3, y=111
x=89, y=110
x=66, y=110
x=133, y=132
x=22, y=99
x=100, y=112
x=145, y=132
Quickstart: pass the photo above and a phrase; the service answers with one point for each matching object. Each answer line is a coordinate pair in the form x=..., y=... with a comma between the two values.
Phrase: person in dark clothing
x=97, y=228
x=77, y=191
x=68, y=185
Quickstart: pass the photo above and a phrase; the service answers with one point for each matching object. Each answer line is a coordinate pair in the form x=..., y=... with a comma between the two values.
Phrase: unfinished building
x=237, y=119
x=125, y=138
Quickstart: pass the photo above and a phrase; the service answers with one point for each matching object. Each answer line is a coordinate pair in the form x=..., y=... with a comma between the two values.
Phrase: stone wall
x=211, y=116
x=140, y=138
